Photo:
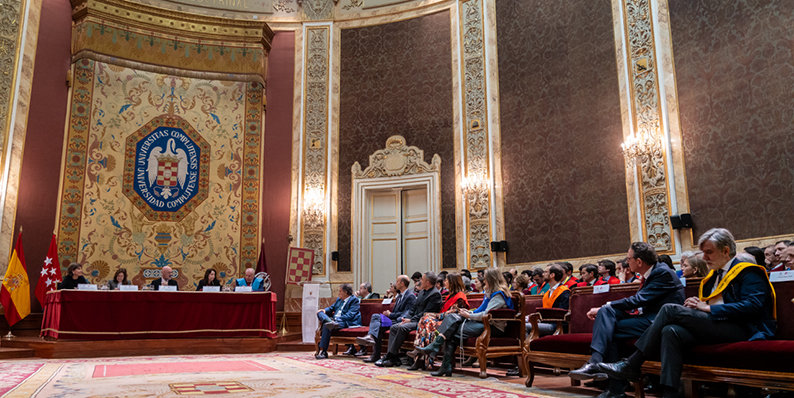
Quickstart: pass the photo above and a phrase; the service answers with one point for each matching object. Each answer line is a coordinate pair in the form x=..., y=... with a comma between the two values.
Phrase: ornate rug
x=260, y=375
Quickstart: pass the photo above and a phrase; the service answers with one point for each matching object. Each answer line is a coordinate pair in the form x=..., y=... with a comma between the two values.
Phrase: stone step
x=15, y=353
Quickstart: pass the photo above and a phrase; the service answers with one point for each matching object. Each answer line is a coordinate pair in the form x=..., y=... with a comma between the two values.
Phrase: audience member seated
x=441, y=284
x=426, y=329
x=769, y=256
x=684, y=256
x=404, y=302
x=665, y=259
x=624, y=272
x=428, y=301
x=557, y=297
x=478, y=284
x=522, y=284
x=344, y=313
x=210, y=279
x=74, y=276
x=736, y=303
x=569, y=280
x=392, y=292
x=629, y=317
x=539, y=281
x=589, y=274
x=417, y=278
x=453, y=329
x=606, y=273
x=786, y=258
x=165, y=278
x=693, y=267
x=257, y=284
x=119, y=278
x=508, y=277
x=780, y=255
x=757, y=253
x=365, y=292
x=467, y=284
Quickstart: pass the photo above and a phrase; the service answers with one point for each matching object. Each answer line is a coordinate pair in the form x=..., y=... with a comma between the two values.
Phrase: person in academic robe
x=589, y=275
x=606, y=273
x=736, y=302
x=344, y=313
x=74, y=277
x=165, y=279
x=629, y=317
x=257, y=284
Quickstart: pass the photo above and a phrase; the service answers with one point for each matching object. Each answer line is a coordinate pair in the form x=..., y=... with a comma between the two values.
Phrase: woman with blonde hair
x=426, y=328
x=458, y=327
x=694, y=267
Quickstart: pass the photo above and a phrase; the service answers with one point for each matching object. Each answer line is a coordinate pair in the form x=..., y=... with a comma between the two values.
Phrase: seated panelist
x=210, y=279
x=119, y=278
x=257, y=284
x=73, y=277
x=165, y=279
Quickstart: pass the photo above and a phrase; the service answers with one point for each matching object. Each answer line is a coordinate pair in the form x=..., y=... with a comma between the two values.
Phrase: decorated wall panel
x=160, y=170
x=563, y=172
x=735, y=72
x=396, y=79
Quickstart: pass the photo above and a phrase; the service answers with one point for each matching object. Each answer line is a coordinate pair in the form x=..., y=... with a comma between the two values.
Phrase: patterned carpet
x=262, y=375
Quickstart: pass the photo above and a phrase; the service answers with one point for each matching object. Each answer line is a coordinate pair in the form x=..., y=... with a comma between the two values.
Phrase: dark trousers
x=397, y=335
x=544, y=328
x=325, y=337
x=374, y=326
x=610, y=327
x=677, y=329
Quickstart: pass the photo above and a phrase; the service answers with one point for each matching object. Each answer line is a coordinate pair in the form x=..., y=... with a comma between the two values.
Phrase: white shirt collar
x=553, y=288
x=648, y=273
x=727, y=266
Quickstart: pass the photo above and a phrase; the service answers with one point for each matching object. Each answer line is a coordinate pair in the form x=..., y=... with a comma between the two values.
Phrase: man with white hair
x=736, y=303
x=165, y=279
x=257, y=284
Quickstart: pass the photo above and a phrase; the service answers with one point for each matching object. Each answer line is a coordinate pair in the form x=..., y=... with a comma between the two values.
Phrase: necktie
x=719, y=277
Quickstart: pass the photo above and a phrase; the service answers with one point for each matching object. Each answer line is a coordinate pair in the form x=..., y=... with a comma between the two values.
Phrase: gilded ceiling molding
x=396, y=160
x=646, y=106
x=476, y=144
x=317, y=10
x=315, y=141
x=168, y=38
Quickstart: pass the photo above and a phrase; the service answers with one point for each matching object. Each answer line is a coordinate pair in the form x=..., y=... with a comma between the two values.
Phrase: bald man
x=165, y=279
x=257, y=284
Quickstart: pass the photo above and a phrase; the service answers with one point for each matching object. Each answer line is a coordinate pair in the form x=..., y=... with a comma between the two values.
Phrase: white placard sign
x=167, y=288
x=311, y=297
x=244, y=289
x=211, y=288
x=781, y=276
x=387, y=301
x=86, y=286
x=128, y=288
x=601, y=288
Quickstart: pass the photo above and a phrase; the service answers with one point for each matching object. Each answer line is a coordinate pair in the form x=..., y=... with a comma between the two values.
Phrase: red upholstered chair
x=348, y=335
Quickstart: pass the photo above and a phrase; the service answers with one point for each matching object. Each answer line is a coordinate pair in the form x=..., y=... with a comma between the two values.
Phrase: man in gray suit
x=403, y=304
x=428, y=300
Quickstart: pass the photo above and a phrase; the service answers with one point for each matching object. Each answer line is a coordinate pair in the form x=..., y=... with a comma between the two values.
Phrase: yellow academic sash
x=729, y=276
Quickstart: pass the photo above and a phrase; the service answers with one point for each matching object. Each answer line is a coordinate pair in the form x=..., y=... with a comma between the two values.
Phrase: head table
x=119, y=315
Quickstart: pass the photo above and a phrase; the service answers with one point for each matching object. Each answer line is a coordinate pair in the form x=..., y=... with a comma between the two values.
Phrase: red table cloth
x=117, y=315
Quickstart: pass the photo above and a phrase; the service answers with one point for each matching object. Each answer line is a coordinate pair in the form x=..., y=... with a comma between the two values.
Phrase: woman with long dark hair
x=119, y=278
x=74, y=277
x=210, y=279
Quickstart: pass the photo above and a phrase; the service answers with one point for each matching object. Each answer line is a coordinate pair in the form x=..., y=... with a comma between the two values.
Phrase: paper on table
x=601, y=288
x=167, y=288
x=128, y=288
x=211, y=288
x=243, y=289
x=387, y=301
x=86, y=286
x=781, y=276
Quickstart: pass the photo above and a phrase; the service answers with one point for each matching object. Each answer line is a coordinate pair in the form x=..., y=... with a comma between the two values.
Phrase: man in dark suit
x=165, y=279
x=428, y=300
x=629, y=317
x=736, y=303
x=345, y=313
x=403, y=304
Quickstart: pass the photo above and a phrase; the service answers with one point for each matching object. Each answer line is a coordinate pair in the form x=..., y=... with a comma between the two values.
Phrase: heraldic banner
x=160, y=170
x=15, y=292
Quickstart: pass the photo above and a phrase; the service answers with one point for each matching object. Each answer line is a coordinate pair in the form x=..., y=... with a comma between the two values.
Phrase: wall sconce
x=475, y=192
x=638, y=147
x=476, y=182
x=314, y=207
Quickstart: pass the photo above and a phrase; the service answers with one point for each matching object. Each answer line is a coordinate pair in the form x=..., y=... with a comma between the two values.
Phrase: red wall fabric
x=41, y=161
x=277, y=172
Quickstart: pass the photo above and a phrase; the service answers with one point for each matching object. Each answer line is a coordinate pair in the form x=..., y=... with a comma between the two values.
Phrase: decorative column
x=648, y=124
x=315, y=144
x=476, y=185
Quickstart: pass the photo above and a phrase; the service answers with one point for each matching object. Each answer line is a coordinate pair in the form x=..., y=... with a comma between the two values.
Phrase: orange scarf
x=451, y=300
x=550, y=297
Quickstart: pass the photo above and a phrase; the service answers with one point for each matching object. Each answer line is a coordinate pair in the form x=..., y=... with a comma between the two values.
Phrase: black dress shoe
x=419, y=364
x=587, y=372
x=609, y=394
x=322, y=355
x=378, y=362
x=388, y=363
x=513, y=372
x=350, y=350
x=361, y=352
x=620, y=370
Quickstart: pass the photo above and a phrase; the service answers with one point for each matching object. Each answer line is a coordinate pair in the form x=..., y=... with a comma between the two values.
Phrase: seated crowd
x=736, y=303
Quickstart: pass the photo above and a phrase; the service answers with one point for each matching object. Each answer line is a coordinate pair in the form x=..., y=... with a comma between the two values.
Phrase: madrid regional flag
x=15, y=294
x=50, y=272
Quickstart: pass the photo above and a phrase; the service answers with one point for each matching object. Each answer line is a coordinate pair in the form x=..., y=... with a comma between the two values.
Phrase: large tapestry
x=160, y=170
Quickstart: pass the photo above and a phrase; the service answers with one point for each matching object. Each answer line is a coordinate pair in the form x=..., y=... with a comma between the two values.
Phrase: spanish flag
x=15, y=294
